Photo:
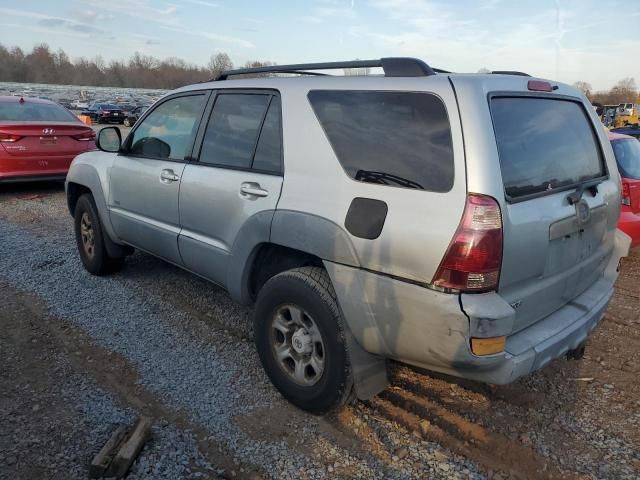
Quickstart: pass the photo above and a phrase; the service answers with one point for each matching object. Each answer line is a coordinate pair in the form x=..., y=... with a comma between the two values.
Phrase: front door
x=145, y=178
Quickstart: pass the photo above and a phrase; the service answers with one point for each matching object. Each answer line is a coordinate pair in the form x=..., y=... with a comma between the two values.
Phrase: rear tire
x=90, y=240
x=300, y=337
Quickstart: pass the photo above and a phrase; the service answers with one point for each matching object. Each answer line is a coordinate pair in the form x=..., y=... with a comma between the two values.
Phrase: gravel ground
x=185, y=357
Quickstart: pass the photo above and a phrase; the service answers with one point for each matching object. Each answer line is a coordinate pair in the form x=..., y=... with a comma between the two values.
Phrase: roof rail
x=510, y=72
x=392, y=66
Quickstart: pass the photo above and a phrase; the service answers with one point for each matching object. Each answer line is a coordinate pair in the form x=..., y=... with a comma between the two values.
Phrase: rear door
x=235, y=183
x=560, y=211
x=145, y=178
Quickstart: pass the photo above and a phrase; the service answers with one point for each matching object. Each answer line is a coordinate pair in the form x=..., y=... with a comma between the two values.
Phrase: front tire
x=90, y=240
x=300, y=337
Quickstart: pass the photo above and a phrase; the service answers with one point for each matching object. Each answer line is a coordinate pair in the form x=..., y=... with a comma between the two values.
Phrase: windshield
x=34, y=112
x=628, y=157
x=544, y=144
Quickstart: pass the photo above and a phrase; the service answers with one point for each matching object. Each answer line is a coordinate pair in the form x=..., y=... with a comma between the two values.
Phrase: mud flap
x=369, y=371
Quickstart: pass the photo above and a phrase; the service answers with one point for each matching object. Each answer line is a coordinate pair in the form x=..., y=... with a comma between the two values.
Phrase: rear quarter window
x=544, y=144
x=400, y=139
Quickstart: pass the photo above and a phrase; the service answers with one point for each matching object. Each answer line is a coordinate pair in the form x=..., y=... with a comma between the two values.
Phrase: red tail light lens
x=9, y=137
x=626, y=194
x=472, y=262
x=87, y=136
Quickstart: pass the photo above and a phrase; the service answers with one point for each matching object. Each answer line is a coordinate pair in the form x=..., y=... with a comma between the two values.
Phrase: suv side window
x=167, y=132
x=268, y=155
x=400, y=139
x=243, y=132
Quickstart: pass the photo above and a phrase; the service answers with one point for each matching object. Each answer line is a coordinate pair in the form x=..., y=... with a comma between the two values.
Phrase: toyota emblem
x=583, y=211
x=48, y=131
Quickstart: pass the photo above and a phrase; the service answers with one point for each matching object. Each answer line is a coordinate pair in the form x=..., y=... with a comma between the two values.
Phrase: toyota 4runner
x=461, y=223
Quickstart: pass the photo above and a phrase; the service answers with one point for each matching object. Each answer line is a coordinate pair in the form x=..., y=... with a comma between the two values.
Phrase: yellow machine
x=627, y=114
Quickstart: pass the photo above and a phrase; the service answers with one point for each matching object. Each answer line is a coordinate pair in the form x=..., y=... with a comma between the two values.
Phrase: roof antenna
x=21, y=100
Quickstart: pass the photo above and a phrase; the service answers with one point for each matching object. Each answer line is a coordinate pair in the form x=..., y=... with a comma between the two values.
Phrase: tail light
x=474, y=257
x=626, y=194
x=86, y=136
x=9, y=137
x=539, y=86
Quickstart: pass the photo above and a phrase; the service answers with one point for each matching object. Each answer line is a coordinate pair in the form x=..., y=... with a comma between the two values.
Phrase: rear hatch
x=627, y=152
x=52, y=138
x=560, y=206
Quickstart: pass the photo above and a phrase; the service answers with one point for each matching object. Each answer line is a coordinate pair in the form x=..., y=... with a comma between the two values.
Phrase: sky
x=597, y=41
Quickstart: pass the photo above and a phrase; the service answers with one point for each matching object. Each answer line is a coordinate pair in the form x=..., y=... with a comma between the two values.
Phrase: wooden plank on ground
x=130, y=449
x=102, y=460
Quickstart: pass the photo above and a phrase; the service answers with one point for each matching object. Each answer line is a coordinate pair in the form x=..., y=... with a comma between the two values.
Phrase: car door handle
x=252, y=189
x=168, y=176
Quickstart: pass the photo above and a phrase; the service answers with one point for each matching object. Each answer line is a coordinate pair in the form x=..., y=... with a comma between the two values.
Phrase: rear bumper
x=546, y=340
x=429, y=329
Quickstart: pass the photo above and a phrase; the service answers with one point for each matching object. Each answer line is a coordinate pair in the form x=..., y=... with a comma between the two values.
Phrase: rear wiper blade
x=591, y=185
x=384, y=179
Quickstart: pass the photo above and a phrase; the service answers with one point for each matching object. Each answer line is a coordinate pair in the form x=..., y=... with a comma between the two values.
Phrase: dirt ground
x=574, y=419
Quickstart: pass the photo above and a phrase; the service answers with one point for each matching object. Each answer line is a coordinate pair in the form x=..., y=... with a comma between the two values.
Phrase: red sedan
x=39, y=139
x=627, y=152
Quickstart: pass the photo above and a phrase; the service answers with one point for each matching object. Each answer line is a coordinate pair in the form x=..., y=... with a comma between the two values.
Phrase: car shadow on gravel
x=31, y=188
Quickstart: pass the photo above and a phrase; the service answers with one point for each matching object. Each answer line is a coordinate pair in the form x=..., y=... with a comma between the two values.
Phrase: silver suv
x=461, y=223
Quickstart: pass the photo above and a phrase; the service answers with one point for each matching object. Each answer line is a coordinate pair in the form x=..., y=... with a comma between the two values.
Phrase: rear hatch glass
x=544, y=145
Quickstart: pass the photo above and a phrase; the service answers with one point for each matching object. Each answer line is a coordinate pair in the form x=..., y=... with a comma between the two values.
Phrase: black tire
x=310, y=289
x=97, y=261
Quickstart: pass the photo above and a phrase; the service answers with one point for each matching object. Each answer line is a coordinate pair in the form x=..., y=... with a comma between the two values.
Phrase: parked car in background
x=632, y=131
x=104, y=113
x=627, y=153
x=79, y=104
x=39, y=139
x=135, y=114
x=364, y=225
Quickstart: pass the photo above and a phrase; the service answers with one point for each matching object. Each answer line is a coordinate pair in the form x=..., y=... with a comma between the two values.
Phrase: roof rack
x=510, y=72
x=392, y=66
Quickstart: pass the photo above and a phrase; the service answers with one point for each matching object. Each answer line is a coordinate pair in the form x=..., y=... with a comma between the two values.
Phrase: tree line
x=42, y=65
x=625, y=91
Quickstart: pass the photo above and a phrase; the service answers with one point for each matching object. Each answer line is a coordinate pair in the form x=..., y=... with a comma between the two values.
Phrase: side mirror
x=109, y=139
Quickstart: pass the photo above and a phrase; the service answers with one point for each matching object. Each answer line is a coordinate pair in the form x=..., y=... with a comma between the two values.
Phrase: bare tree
x=219, y=63
x=584, y=87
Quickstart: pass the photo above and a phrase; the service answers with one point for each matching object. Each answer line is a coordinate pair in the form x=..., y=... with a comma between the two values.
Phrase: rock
x=439, y=456
x=402, y=452
x=524, y=438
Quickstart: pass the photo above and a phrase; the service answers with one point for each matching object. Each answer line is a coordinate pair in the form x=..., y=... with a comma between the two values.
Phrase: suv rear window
x=544, y=144
x=402, y=139
x=628, y=157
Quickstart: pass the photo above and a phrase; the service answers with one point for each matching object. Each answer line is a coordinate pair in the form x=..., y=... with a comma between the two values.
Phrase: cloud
x=204, y=3
x=310, y=19
x=51, y=23
x=139, y=9
x=241, y=42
